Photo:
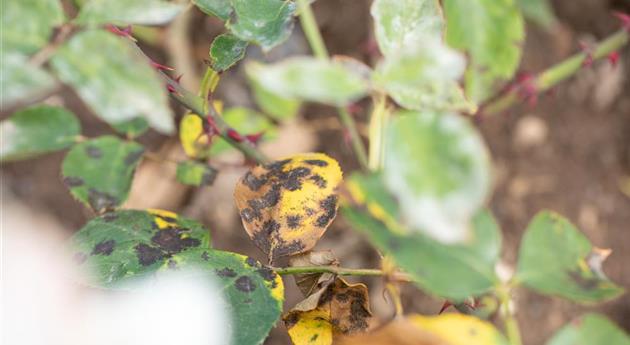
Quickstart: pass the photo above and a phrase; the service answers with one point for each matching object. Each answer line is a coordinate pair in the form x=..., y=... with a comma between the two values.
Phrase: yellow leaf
x=311, y=328
x=459, y=329
x=192, y=136
x=287, y=205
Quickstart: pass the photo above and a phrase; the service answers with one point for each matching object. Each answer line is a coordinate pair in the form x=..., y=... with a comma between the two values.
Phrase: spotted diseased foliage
x=336, y=307
x=287, y=205
x=104, y=248
x=127, y=242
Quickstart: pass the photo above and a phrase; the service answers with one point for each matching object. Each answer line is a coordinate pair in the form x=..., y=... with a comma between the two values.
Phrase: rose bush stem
x=557, y=73
x=314, y=38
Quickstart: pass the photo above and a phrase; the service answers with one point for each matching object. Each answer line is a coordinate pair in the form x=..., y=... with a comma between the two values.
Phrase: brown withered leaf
x=287, y=205
x=400, y=331
x=307, y=283
x=342, y=307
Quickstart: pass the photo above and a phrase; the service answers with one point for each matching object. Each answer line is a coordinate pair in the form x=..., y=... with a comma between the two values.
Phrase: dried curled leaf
x=308, y=282
x=338, y=307
x=287, y=205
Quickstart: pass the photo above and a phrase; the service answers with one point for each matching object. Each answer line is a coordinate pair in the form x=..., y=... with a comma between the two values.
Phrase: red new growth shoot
x=613, y=58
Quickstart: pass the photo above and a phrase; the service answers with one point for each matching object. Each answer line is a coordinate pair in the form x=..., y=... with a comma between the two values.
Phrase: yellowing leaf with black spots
x=121, y=246
x=337, y=307
x=99, y=171
x=132, y=242
x=254, y=292
x=287, y=205
x=313, y=328
x=459, y=329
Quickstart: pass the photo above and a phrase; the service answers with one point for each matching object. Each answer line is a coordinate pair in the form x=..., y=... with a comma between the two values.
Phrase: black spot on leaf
x=319, y=181
x=247, y=215
x=329, y=206
x=133, y=157
x=245, y=284
x=171, y=240
x=205, y=256
x=292, y=180
x=293, y=221
x=284, y=249
x=104, y=248
x=313, y=338
x=251, y=262
x=72, y=181
x=172, y=264
x=93, y=151
x=252, y=182
x=316, y=162
x=276, y=167
x=226, y=272
x=268, y=274
x=148, y=255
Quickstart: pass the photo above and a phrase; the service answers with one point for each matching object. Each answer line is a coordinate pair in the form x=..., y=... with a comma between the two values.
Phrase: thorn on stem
x=126, y=32
x=613, y=58
x=445, y=306
x=588, y=51
x=527, y=88
x=171, y=89
x=161, y=67
x=234, y=135
x=255, y=138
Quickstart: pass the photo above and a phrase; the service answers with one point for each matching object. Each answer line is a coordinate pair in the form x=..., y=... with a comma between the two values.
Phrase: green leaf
x=113, y=79
x=126, y=245
x=121, y=12
x=438, y=167
x=539, y=11
x=455, y=272
x=490, y=32
x=556, y=259
x=21, y=81
x=132, y=128
x=264, y=22
x=195, y=173
x=246, y=122
x=424, y=76
x=225, y=51
x=217, y=8
x=276, y=106
x=131, y=243
x=310, y=79
x=99, y=171
x=590, y=329
x=28, y=24
x=37, y=130
x=401, y=23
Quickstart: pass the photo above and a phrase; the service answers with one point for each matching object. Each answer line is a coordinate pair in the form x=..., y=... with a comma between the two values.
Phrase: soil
x=569, y=153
